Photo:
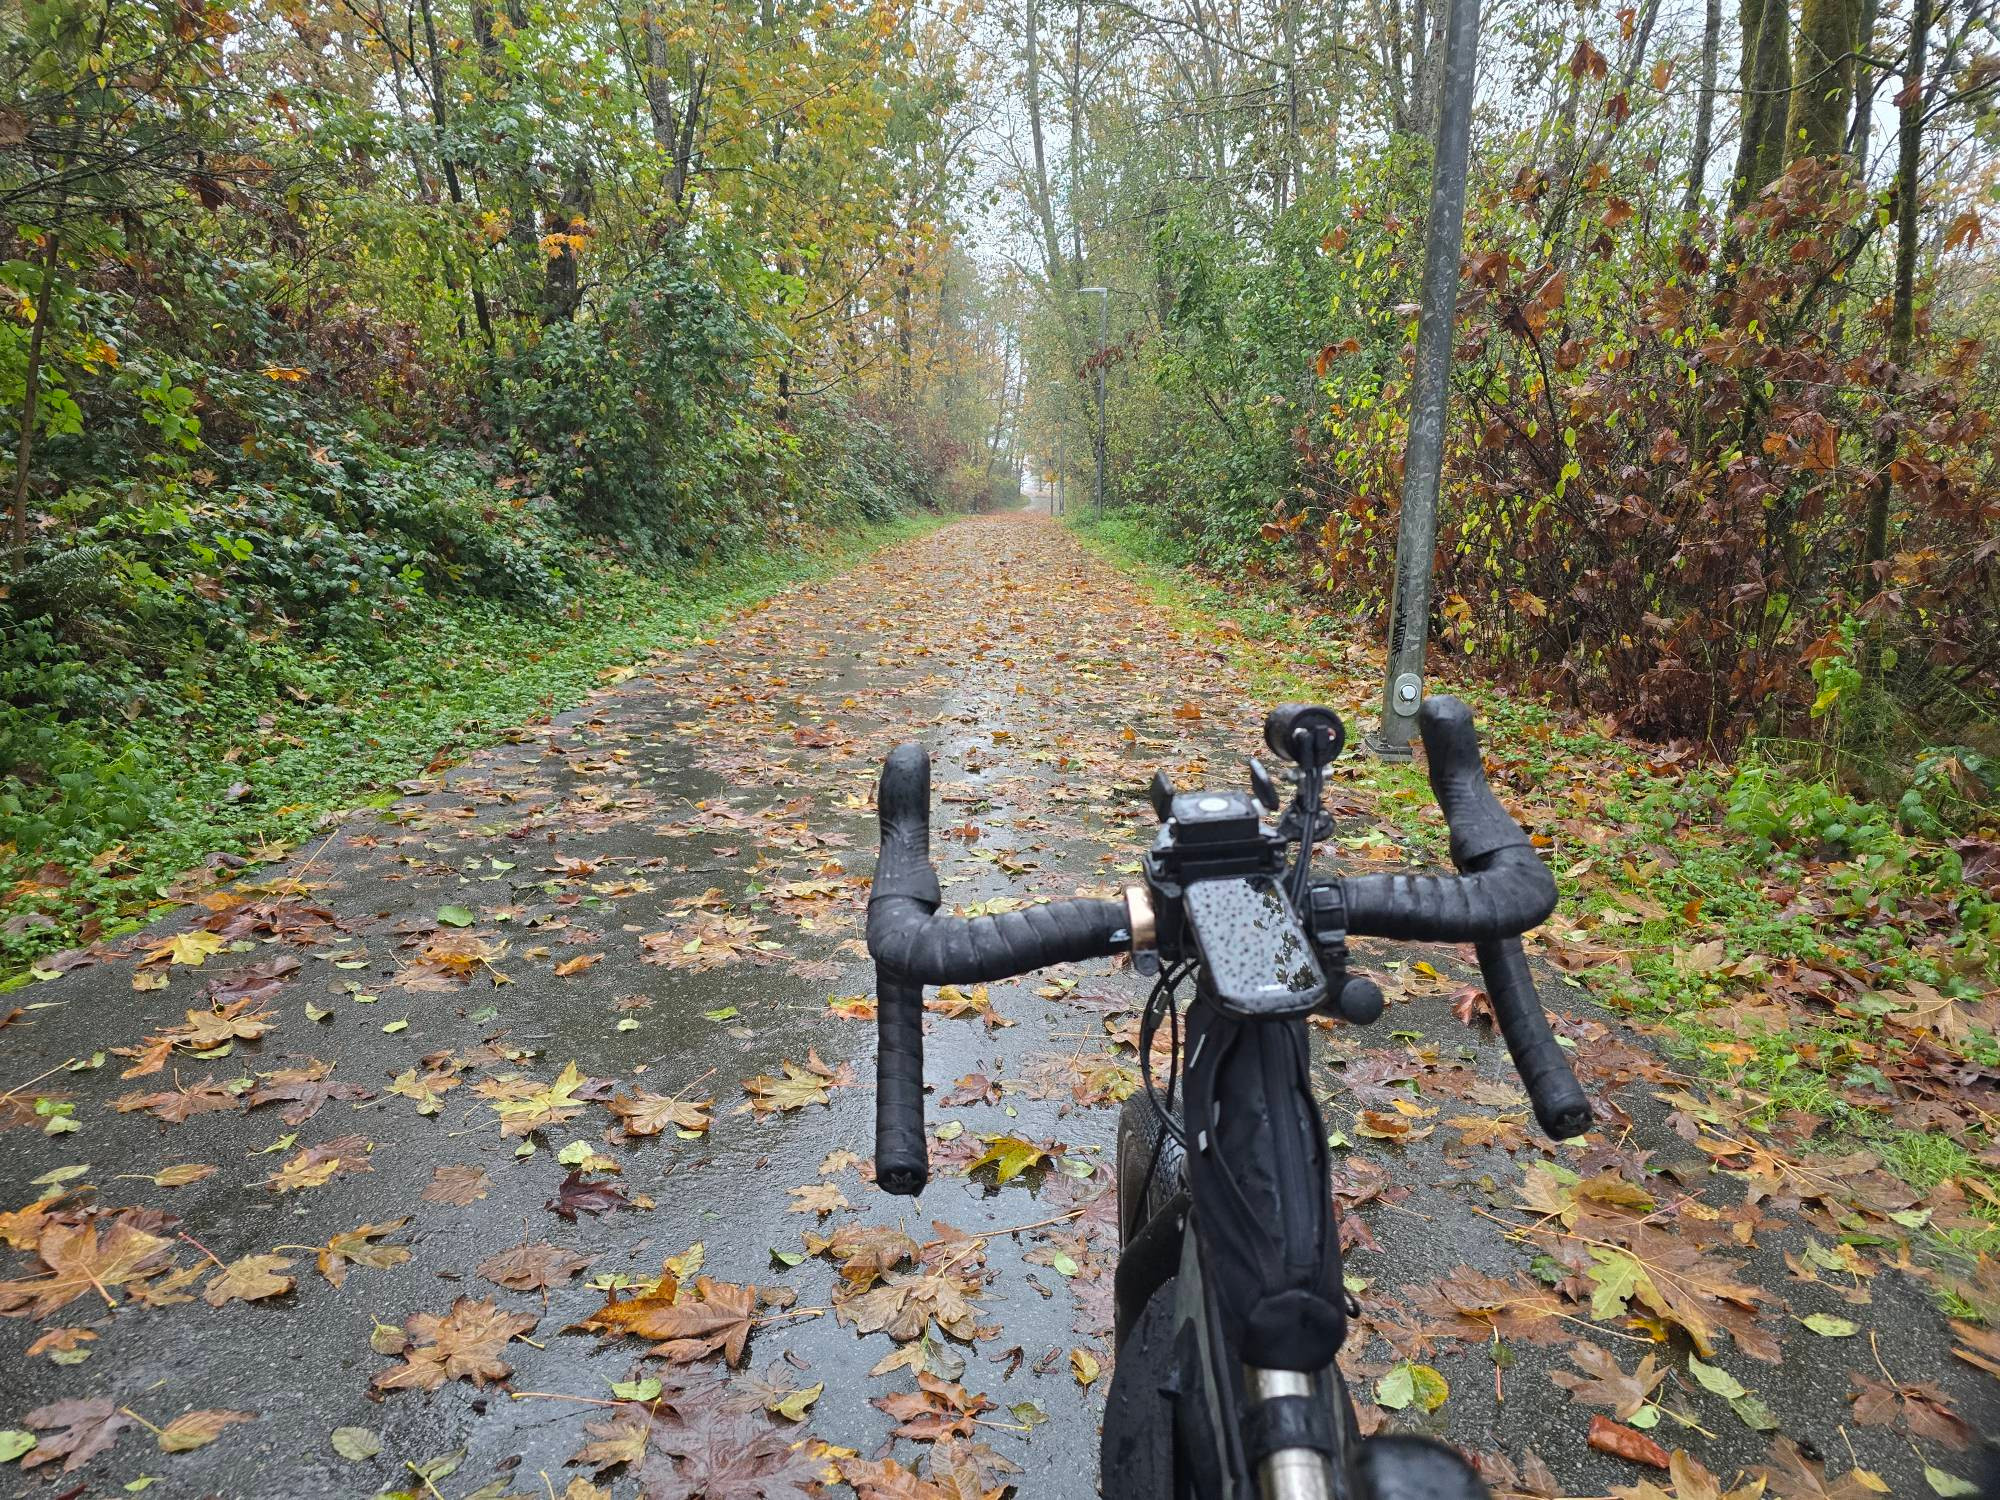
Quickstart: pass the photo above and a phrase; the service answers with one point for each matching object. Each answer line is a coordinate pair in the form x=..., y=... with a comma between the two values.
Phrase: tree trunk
x=904, y=350
x=1075, y=91
x=440, y=117
x=1767, y=81
x=30, y=399
x=562, y=290
x=1044, y=209
x=1903, y=315
x=1822, y=78
x=1862, y=125
x=1704, y=118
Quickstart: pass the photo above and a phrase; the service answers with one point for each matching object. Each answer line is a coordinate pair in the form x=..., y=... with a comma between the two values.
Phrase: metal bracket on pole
x=1423, y=451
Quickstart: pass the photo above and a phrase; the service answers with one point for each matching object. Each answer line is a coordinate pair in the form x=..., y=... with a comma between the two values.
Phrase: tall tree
x=1766, y=73
x=1822, y=77
x=1704, y=115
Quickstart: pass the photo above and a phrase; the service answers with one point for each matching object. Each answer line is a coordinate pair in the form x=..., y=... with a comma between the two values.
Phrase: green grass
x=1739, y=837
x=265, y=754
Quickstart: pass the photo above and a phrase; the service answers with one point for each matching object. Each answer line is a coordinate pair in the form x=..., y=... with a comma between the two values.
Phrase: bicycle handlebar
x=912, y=946
x=1502, y=890
x=1488, y=846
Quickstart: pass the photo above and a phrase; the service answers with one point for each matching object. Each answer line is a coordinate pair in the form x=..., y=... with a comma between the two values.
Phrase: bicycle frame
x=1247, y=1432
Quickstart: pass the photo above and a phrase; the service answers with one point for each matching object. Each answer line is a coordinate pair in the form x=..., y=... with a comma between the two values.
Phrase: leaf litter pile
x=515, y=1142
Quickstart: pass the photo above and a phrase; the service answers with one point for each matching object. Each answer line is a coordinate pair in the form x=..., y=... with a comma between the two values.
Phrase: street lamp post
x=1423, y=452
x=1103, y=294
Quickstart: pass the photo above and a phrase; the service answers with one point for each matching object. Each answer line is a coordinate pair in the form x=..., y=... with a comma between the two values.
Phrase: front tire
x=1151, y=1166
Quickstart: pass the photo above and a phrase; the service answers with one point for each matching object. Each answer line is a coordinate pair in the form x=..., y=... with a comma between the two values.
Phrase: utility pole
x=1103, y=294
x=1062, y=463
x=1423, y=450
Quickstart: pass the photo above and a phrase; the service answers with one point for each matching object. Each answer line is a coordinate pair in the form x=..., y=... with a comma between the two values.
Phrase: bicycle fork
x=1287, y=1473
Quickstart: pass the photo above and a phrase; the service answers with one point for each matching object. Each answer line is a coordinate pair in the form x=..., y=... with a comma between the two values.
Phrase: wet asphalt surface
x=713, y=814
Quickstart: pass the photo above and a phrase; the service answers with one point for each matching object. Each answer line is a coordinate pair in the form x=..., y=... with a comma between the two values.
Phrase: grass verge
x=254, y=763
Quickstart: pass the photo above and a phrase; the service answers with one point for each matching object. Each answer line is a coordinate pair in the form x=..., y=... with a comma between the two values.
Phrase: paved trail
x=599, y=993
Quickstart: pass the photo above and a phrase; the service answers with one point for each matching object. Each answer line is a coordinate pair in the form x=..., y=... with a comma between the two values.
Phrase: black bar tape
x=1479, y=824
x=902, y=1154
x=906, y=935
x=912, y=946
x=1558, y=1099
x=1512, y=894
x=1504, y=890
x=962, y=950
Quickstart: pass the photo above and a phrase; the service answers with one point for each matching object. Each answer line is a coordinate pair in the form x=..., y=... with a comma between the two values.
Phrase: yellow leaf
x=189, y=948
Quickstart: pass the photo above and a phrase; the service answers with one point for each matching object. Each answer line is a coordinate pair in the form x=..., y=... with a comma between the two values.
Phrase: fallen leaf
x=465, y=1344
x=251, y=1278
x=578, y=1194
x=1608, y=1385
x=357, y=1247
x=197, y=1429
x=1009, y=1156
x=79, y=1261
x=73, y=1431
x=532, y=1267
x=711, y=1317
x=457, y=1185
x=1607, y=1436
x=356, y=1444
x=642, y=1113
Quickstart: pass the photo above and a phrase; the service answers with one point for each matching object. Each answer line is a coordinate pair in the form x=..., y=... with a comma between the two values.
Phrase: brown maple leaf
x=304, y=1088
x=79, y=1260
x=176, y=1106
x=21, y=1228
x=235, y=1021
x=1475, y=1306
x=253, y=984
x=1921, y=1409
x=465, y=1344
x=457, y=1185
x=888, y=1480
x=820, y=1198
x=318, y=1165
x=250, y=1278
x=710, y=942
x=357, y=1247
x=1793, y=1475
x=798, y=1088
x=1603, y=1383
x=936, y=1409
x=532, y=1267
x=74, y=1431
x=724, y=1454
x=577, y=1194
x=692, y=1443
x=863, y=1251
x=716, y=1318
x=966, y=1470
x=905, y=1305
x=644, y=1113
